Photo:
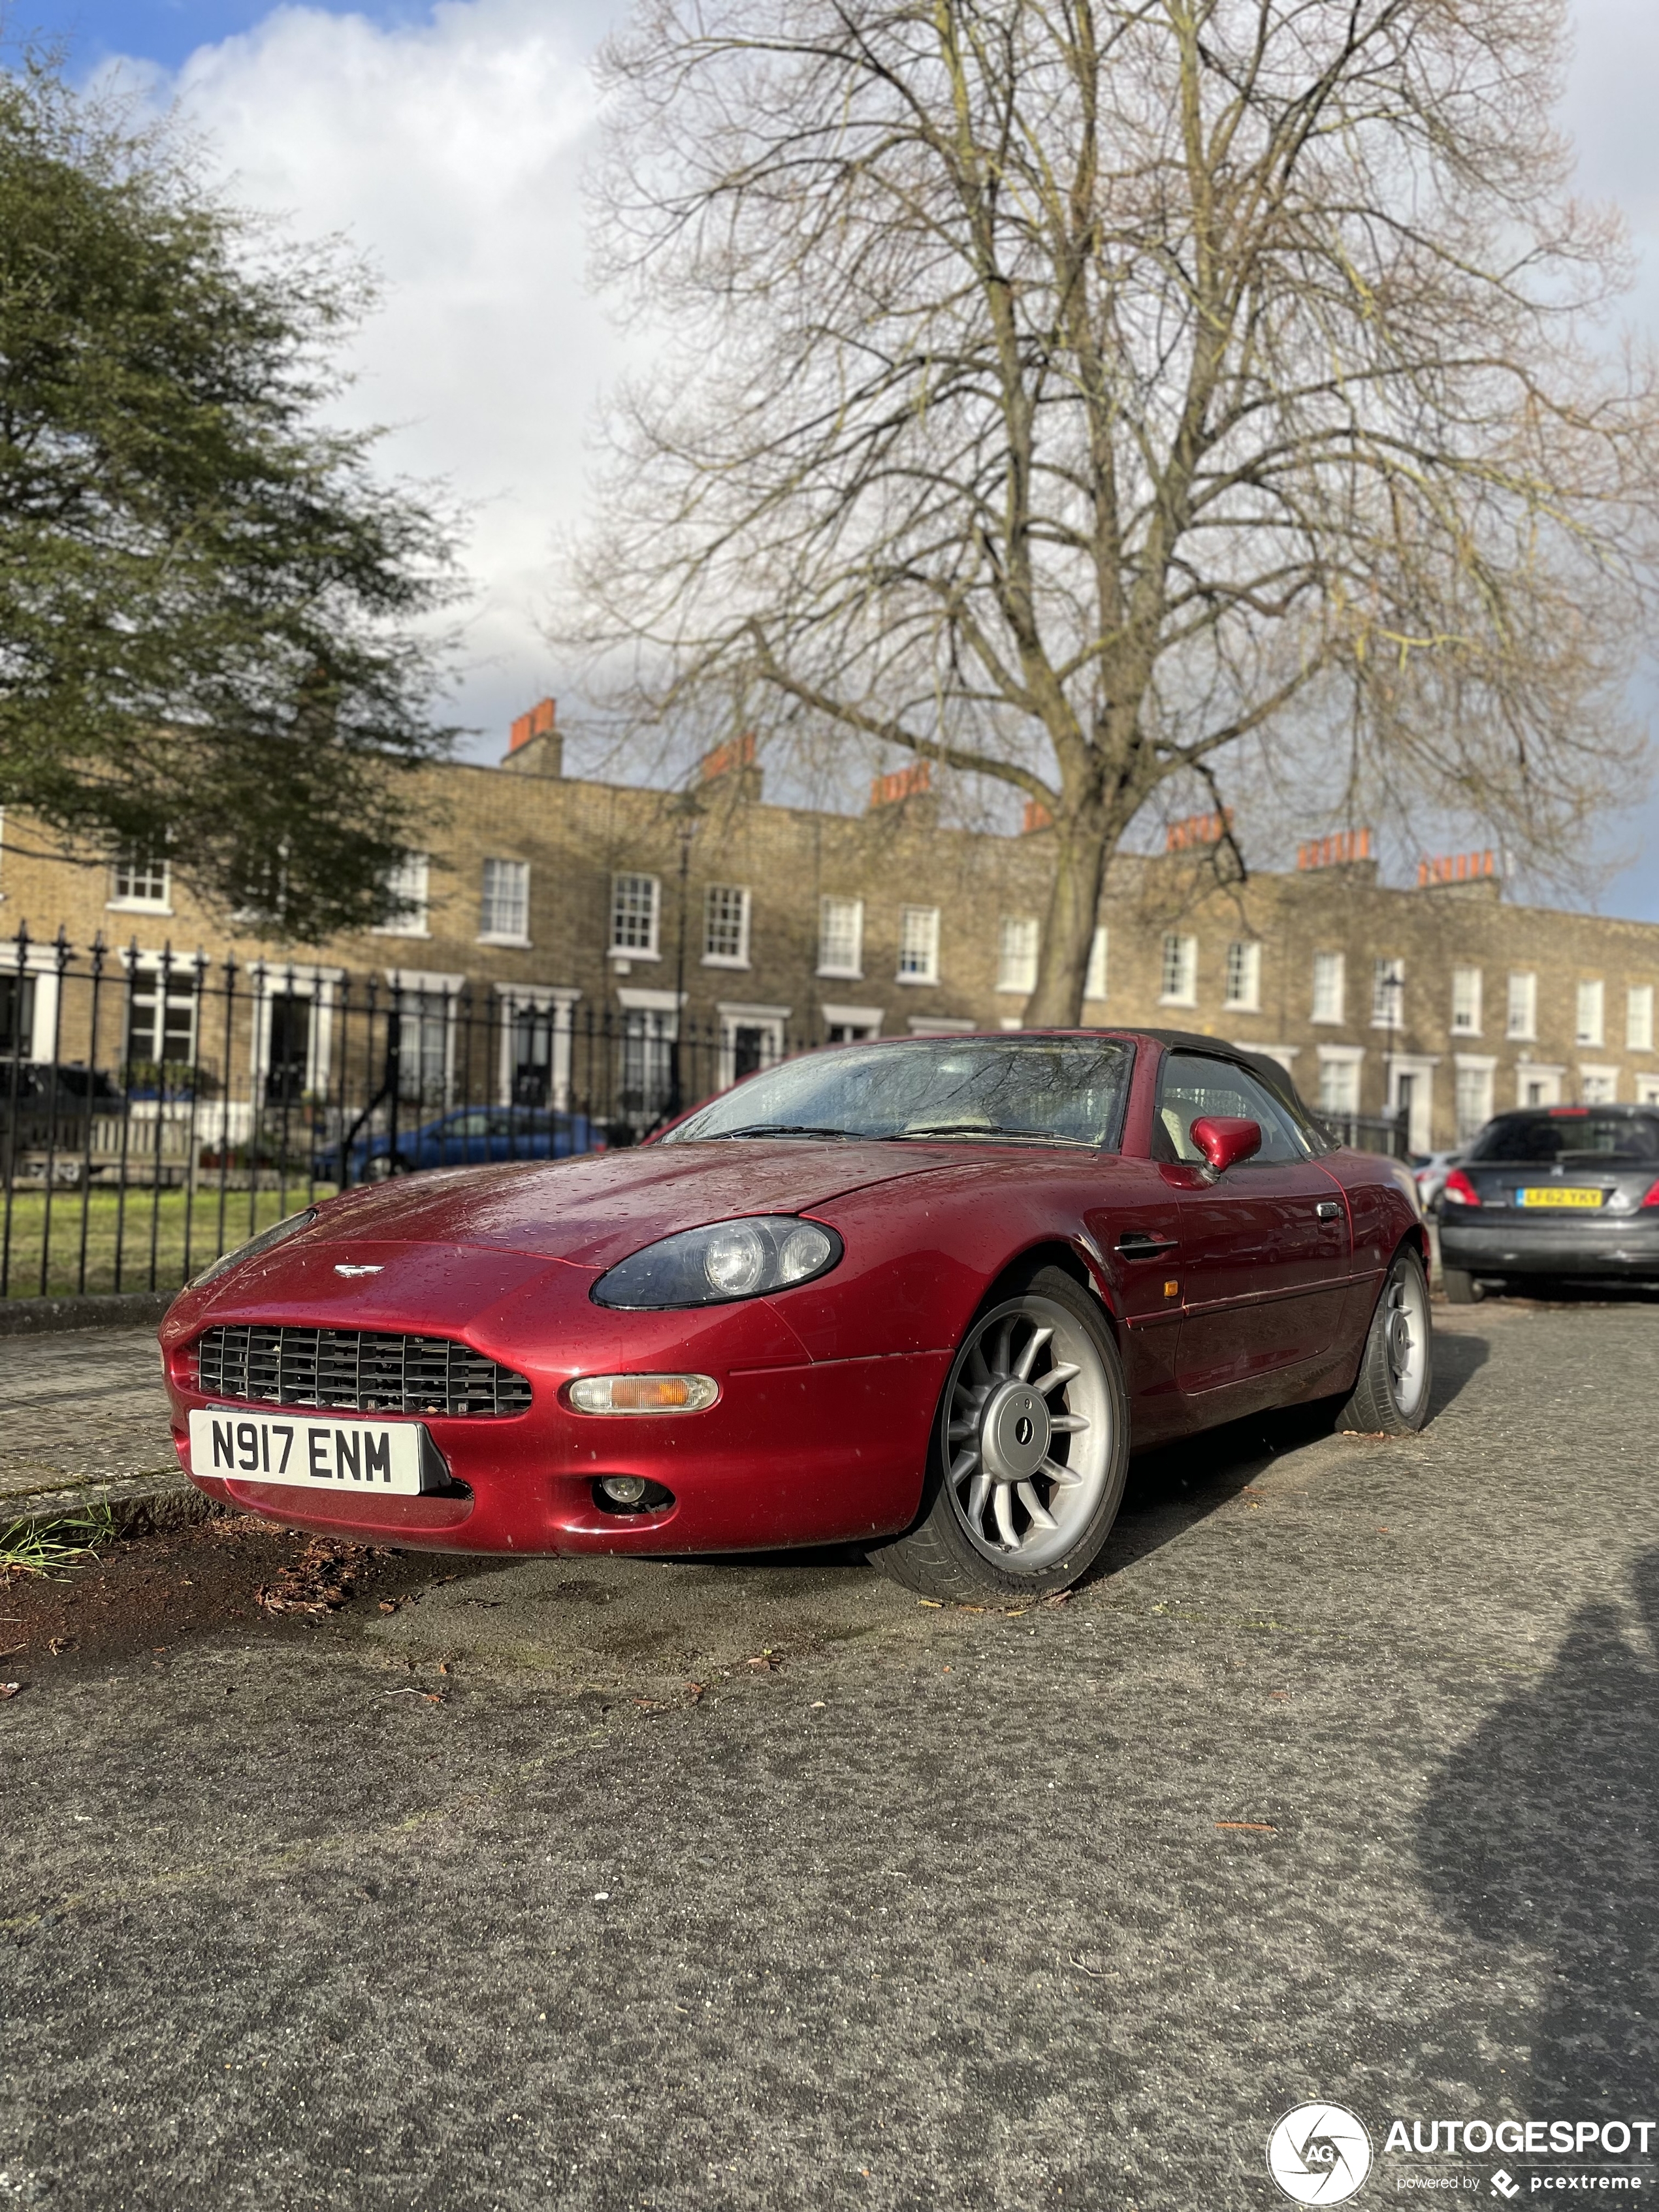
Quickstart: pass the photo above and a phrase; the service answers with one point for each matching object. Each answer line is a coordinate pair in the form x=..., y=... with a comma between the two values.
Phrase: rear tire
x=1396, y=1373
x=1030, y=1447
x=1460, y=1287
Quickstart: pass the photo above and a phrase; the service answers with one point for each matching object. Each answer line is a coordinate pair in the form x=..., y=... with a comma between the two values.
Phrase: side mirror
x=1226, y=1140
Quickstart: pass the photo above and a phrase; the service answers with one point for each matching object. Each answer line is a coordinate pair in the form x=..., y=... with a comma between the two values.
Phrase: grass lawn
x=139, y=1247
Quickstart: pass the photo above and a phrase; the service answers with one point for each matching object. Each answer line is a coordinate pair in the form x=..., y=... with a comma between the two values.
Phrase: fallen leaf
x=768, y=1660
x=694, y=1691
x=9, y=1689
x=933, y=1601
x=388, y=1605
x=817, y=1706
x=1255, y=1827
x=59, y=1644
x=1058, y=1597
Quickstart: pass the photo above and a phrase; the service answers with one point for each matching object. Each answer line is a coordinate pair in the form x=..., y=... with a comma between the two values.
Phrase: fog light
x=624, y=1489
x=643, y=1394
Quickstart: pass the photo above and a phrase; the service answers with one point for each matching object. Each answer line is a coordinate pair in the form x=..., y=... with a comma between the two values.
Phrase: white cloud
x=450, y=152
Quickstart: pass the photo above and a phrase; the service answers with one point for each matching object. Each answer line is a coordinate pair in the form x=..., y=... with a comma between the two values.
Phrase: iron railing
x=157, y=1109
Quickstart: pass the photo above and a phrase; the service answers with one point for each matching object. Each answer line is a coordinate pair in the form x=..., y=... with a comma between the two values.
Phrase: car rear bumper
x=1625, y=1247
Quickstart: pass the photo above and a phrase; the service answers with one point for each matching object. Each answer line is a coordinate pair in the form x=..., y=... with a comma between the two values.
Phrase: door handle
x=1328, y=1209
x=1141, y=1244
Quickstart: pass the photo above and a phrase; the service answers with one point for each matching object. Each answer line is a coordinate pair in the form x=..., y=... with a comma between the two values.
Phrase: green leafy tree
x=211, y=643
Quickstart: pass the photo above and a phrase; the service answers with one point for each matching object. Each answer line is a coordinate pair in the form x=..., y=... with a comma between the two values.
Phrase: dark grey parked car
x=1555, y=1192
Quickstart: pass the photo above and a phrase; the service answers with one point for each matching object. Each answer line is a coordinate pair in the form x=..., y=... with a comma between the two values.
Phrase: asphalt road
x=1339, y=1782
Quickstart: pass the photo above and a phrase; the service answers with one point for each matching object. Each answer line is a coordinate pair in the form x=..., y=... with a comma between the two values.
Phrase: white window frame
x=128, y=901
x=1638, y=1018
x=864, y=1021
x=1602, y=1082
x=1330, y=966
x=486, y=935
x=410, y=882
x=1541, y=1074
x=1589, y=1022
x=1178, y=961
x=270, y=980
x=652, y=949
x=658, y=1013
x=1647, y=1089
x=428, y=983
x=733, y=1016
x=850, y=970
x=1019, y=944
x=1420, y=1067
x=1471, y=1069
x=922, y=923
x=39, y=967
x=740, y=892
x=1467, y=992
x=558, y=1001
x=930, y=1025
x=1242, y=989
x=1096, y=983
x=1349, y=1059
x=1521, y=1020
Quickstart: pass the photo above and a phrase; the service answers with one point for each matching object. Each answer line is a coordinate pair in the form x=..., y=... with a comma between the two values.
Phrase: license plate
x=1549, y=1195
x=311, y=1454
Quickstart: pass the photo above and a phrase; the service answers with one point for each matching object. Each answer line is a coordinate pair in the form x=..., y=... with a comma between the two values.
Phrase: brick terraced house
x=567, y=909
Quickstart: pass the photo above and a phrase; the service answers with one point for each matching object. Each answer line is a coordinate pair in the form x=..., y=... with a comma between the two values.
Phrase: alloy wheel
x=1029, y=1434
x=1406, y=1312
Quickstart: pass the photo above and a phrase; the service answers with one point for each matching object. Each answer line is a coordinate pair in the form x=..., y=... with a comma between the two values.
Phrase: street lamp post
x=687, y=811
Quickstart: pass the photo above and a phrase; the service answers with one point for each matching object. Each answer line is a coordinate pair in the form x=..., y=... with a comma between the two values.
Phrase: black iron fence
x=158, y=1109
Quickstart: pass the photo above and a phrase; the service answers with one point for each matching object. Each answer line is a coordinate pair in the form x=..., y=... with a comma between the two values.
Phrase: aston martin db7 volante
x=923, y=1294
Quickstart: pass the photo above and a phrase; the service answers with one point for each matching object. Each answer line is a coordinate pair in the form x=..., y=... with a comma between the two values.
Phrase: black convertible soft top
x=1262, y=1064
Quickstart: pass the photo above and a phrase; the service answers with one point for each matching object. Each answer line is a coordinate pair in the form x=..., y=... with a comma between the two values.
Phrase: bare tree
x=1068, y=392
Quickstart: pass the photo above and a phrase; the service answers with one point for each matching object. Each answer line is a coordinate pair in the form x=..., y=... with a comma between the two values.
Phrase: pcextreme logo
x=1319, y=2153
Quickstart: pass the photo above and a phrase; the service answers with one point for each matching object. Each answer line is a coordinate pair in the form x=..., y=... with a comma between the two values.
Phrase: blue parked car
x=468, y=1136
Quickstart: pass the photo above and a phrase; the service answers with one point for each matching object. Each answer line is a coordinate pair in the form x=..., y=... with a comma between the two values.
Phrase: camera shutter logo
x=1319, y=2153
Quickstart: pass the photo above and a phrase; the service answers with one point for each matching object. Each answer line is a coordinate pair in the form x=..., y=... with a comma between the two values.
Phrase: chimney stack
x=534, y=746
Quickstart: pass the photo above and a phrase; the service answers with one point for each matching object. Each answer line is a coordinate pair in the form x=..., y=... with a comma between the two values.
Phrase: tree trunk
x=1082, y=849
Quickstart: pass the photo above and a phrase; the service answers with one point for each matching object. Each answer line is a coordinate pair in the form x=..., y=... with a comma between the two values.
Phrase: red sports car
x=924, y=1294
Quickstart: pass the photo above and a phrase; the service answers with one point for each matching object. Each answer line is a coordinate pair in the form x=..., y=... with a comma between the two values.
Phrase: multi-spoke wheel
x=1391, y=1394
x=1033, y=1439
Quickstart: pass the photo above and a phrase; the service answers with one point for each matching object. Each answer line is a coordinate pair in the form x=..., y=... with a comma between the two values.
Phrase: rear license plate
x=1549, y=1195
x=312, y=1453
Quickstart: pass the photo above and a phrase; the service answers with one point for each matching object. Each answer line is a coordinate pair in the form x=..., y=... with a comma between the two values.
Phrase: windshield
x=1566, y=1136
x=1065, y=1089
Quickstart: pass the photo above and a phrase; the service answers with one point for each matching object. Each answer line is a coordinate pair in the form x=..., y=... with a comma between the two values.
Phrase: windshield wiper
x=776, y=1129
x=992, y=1129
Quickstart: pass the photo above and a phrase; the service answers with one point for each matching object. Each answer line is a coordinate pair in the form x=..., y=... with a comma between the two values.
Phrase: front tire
x=1391, y=1396
x=1030, y=1447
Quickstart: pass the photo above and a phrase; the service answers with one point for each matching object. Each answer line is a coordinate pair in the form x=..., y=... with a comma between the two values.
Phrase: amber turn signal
x=643, y=1394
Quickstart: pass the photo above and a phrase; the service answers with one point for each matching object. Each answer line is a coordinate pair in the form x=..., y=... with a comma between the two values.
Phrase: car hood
x=595, y=1210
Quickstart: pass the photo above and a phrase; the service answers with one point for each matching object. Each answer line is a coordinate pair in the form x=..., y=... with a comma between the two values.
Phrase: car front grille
x=366, y=1371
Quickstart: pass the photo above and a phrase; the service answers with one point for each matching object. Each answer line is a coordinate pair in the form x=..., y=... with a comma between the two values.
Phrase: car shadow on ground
x=1175, y=1487
x=1538, y=1838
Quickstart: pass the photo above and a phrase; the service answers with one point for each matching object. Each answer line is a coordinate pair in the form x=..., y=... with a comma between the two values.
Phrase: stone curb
x=130, y=1309
x=139, y=1504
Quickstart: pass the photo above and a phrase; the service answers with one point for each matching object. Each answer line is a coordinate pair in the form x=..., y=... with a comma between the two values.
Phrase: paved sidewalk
x=84, y=1417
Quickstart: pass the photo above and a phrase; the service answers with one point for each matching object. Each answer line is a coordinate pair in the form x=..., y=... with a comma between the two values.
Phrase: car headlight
x=277, y=1234
x=729, y=1260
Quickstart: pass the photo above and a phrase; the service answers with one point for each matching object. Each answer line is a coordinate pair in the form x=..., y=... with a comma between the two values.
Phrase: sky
x=447, y=142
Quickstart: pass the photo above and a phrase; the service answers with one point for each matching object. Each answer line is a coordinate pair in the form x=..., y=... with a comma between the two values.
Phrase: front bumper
x=824, y=1453
x=1506, y=1242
